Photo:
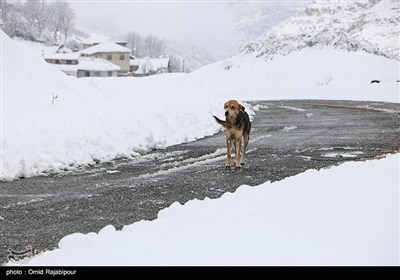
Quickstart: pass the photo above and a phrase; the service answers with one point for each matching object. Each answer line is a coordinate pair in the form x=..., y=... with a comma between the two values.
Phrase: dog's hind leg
x=228, y=152
x=246, y=138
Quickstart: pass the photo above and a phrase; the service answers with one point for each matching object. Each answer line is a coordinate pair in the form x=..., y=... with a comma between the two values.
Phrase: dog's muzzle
x=226, y=113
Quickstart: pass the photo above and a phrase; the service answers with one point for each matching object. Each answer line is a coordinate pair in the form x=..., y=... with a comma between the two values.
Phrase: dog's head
x=232, y=108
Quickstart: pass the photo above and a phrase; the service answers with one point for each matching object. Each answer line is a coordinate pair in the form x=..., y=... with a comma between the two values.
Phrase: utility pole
x=183, y=65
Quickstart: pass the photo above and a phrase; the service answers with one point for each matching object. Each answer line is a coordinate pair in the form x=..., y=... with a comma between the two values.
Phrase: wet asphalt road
x=288, y=137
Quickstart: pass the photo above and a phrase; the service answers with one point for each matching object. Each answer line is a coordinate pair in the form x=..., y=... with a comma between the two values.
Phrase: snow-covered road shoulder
x=346, y=215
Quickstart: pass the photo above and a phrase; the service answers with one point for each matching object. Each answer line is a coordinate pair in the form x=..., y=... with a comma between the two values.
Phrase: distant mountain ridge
x=254, y=18
x=372, y=26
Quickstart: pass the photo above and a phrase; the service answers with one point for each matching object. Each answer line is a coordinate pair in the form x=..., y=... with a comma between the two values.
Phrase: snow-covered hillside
x=372, y=26
x=52, y=122
x=98, y=119
x=254, y=18
x=307, y=74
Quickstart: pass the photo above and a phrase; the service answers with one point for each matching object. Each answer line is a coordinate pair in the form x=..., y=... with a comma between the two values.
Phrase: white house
x=62, y=58
x=75, y=65
x=95, y=39
x=111, y=52
x=66, y=62
x=106, y=59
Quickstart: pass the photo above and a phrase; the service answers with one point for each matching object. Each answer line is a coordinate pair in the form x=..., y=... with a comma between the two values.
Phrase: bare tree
x=153, y=46
x=135, y=43
x=5, y=9
x=67, y=22
x=37, y=15
x=29, y=19
x=56, y=11
x=11, y=19
x=62, y=17
x=149, y=46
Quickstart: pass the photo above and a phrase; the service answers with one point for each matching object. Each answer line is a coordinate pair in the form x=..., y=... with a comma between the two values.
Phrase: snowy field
x=53, y=123
x=346, y=215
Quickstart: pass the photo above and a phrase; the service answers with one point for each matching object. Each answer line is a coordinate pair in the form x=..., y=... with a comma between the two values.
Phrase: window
x=69, y=61
x=109, y=73
x=87, y=73
x=122, y=56
x=109, y=56
x=97, y=74
x=57, y=61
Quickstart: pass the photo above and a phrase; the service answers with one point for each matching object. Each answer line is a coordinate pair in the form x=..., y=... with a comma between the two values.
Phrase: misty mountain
x=184, y=56
x=187, y=56
x=371, y=26
x=255, y=18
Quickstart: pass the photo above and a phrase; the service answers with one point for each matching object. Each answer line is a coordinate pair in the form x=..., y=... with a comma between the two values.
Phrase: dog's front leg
x=238, y=142
x=228, y=151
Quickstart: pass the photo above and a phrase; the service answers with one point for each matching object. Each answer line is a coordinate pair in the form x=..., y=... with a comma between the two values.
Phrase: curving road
x=288, y=137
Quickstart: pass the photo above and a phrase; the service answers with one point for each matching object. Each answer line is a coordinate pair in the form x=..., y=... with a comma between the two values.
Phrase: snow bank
x=98, y=119
x=347, y=215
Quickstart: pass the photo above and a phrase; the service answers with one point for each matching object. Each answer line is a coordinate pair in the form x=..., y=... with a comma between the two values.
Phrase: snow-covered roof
x=147, y=65
x=134, y=62
x=120, y=41
x=62, y=56
x=94, y=64
x=95, y=39
x=104, y=48
x=159, y=62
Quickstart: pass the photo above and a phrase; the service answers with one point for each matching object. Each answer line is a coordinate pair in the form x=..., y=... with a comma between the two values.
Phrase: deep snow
x=346, y=215
x=98, y=119
x=86, y=124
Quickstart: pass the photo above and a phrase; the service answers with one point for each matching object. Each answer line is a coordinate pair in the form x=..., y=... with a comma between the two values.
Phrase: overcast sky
x=206, y=23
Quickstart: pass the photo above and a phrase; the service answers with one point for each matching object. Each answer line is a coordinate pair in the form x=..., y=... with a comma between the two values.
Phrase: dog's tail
x=221, y=122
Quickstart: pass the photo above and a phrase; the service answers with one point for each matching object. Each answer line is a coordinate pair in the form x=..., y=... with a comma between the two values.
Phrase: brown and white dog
x=237, y=127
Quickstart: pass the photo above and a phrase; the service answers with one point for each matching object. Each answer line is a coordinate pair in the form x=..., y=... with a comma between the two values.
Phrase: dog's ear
x=242, y=108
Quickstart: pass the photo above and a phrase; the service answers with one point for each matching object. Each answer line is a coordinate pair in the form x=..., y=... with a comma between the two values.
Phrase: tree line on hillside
x=37, y=20
x=153, y=46
x=53, y=22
